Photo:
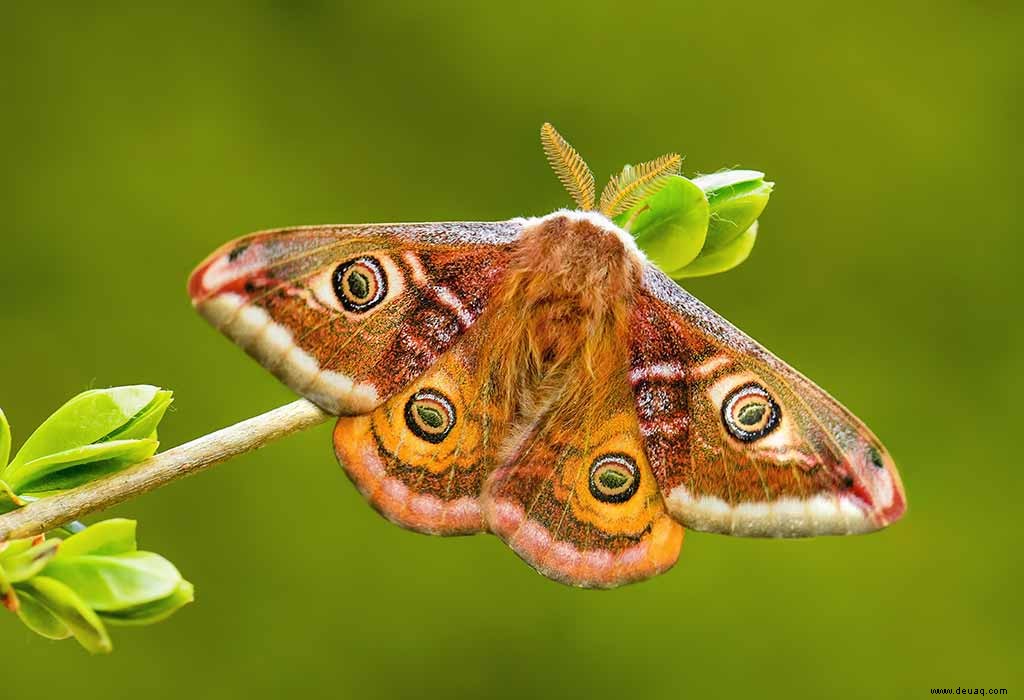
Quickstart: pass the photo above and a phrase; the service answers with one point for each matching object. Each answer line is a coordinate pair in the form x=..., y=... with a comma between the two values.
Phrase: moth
x=540, y=380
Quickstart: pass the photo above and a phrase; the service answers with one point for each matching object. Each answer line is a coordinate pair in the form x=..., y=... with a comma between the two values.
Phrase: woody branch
x=47, y=513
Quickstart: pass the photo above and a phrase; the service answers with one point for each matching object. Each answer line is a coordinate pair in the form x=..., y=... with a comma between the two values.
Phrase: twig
x=47, y=513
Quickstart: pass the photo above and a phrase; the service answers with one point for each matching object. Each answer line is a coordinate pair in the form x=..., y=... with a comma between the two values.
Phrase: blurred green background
x=137, y=140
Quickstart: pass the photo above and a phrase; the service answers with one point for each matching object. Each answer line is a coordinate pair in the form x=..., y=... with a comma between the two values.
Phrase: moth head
x=623, y=191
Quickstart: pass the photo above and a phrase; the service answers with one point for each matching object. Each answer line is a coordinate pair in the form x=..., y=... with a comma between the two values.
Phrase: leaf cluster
x=77, y=586
x=698, y=227
x=77, y=580
x=96, y=433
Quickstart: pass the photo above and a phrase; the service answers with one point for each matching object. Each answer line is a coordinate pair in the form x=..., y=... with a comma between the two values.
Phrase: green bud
x=94, y=434
x=67, y=469
x=722, y=259
x=144, y=423
x=39, y=618
x=5, y=440
x=671, y=224
x=108, y=583
x=27, y=564
x=8, y=599
x=735, y=199
x=156, y=611
x=69, y=608
x=114, y=536
x=13, y=548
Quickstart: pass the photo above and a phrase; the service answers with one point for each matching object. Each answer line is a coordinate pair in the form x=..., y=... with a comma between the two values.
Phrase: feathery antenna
x=623, y=191
x=569, y=166
x=636, y=182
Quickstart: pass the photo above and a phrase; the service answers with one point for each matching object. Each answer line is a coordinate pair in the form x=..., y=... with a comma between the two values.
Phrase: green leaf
x=720, y=260
x=84, y=624
x=670, y=225
x=8, y=499
x=7, y=597
x=144, y=424
x=5, y=440
x=82, y=474
x=114, y=536
x=107, y=456
x=39, y=618
x=117, y=582
x=89, y=417
x=735, y=199
x=153, y=612
x=30, y=562
x=13, y=548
